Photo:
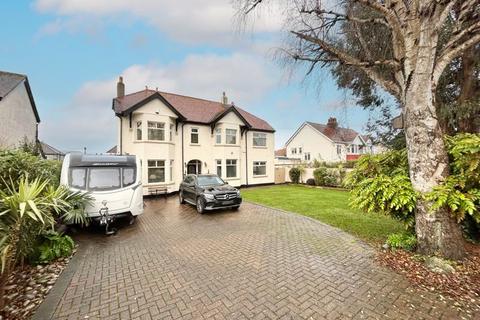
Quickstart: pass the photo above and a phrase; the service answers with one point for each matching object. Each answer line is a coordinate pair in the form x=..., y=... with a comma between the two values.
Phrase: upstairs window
x=194, y=136
x=307, y=156
x=259, y=139
x=294, y=150
x=231, y=136
x=156, y=131
x=139, y=130
x=218, y=136
x=300, y=150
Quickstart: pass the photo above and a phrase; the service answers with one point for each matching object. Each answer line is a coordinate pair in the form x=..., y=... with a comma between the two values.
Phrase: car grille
x=226, y=196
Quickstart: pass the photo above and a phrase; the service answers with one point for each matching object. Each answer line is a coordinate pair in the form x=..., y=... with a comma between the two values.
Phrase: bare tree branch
x=341, y=16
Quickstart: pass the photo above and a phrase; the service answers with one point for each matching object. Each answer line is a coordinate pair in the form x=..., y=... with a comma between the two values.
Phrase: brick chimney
x=332, y=123
x=224, y=99
x=120, y=88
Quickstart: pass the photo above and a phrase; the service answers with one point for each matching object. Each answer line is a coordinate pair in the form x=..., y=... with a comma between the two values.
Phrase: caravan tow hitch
x=106, y=219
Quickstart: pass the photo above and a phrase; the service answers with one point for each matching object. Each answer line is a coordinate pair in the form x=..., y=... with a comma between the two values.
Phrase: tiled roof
x=112, y=150
x=9, y=81
x=337, y=134
x=48, y=149
x=281, y=152
x=192, y=109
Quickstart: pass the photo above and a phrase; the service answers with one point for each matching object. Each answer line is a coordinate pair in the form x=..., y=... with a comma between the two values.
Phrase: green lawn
x=329, y=206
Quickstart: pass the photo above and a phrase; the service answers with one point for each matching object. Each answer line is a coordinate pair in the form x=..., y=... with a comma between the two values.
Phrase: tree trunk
x=466, y=122
x=437, y=232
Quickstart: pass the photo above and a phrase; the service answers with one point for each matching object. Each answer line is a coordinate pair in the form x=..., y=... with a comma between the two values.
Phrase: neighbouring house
x=327, y=142
x=19, y=117
x=281, y=158
x=176, y=135
x=112, y=150
x=51, y=153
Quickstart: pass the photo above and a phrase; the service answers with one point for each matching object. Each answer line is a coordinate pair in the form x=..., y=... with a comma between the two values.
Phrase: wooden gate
x=279, y=175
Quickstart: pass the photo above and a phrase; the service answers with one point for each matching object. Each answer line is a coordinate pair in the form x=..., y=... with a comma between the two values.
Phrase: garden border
x=47, y=308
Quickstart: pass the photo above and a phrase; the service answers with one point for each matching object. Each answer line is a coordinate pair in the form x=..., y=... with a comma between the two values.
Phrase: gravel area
x=27, y=287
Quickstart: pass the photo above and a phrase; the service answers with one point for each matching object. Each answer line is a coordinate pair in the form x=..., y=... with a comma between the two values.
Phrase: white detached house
x=175, y=135
x=327, y=142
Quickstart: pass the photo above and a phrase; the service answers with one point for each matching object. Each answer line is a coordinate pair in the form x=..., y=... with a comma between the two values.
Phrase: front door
x=194, y=167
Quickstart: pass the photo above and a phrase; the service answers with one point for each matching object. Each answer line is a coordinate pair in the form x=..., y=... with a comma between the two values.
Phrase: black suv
x=208, y=192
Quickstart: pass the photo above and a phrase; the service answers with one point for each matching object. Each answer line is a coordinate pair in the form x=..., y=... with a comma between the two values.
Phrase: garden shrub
x=294, y=174
x=17, y=164
x=320, y=175
x=51, y=246
x=402, y=241
x=328, y=177
x=380, y=183
x=311, y=182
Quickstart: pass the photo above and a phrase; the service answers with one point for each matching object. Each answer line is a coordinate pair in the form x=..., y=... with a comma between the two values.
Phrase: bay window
x=156, y=131
x=230, y=136
x=156, y=171
x=218, y=136
x=139, y=130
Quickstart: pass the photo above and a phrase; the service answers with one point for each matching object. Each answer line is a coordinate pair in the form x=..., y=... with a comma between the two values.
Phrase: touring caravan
x=114, y=181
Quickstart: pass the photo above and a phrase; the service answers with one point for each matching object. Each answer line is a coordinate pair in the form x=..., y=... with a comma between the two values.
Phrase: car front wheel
x=200, y=205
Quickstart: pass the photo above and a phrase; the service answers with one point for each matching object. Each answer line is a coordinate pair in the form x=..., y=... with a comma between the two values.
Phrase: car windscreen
x=209, y=181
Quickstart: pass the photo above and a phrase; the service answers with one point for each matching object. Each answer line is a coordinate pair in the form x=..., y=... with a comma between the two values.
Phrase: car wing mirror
x=226, y=182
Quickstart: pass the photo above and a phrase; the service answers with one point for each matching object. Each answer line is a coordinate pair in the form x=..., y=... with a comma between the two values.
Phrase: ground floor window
x=231, y=168
x=156, y=171
x=259, y=168
x=219, y=167
x=171, y=170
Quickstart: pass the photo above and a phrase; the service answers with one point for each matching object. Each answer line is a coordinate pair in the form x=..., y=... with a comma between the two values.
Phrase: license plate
x=228, y=202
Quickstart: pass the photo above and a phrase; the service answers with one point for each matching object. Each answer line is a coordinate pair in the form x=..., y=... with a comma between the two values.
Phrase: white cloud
x=88, y=119
x=190, y=21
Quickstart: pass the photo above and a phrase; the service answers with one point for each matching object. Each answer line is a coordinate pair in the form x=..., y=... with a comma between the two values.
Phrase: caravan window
x=78, y=177
x=104, y=178
x=128, y=176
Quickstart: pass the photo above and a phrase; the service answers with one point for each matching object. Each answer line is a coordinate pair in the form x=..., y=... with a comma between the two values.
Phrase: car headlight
x=209, y=196
x=238, y=192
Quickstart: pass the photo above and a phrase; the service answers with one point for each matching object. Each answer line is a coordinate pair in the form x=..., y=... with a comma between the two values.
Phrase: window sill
x=195, y=144
x=227, y=145
x=154, y=141
x=153, y=184
x=260, y=147
x=231, y=178
x=261, y=176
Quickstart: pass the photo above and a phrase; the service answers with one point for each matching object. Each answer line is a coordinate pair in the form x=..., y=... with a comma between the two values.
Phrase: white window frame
x=171, y=170
x=218, y=164
x=294, y=150
x=218, y=136
x=155, y=166
x=158, y=126
x=233, y=163
x=172, y=126
x=192, y=133
x=257, y=164
x=259, y=139
x=339, y=149
x=138, y=131
x=227, y=134
x=300, y=150
x=307, y=156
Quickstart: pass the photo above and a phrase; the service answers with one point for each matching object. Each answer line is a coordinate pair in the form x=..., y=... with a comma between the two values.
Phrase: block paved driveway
x=256, y=263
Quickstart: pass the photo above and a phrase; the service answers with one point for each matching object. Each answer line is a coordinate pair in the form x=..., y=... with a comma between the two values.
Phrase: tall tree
x=410, y=67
